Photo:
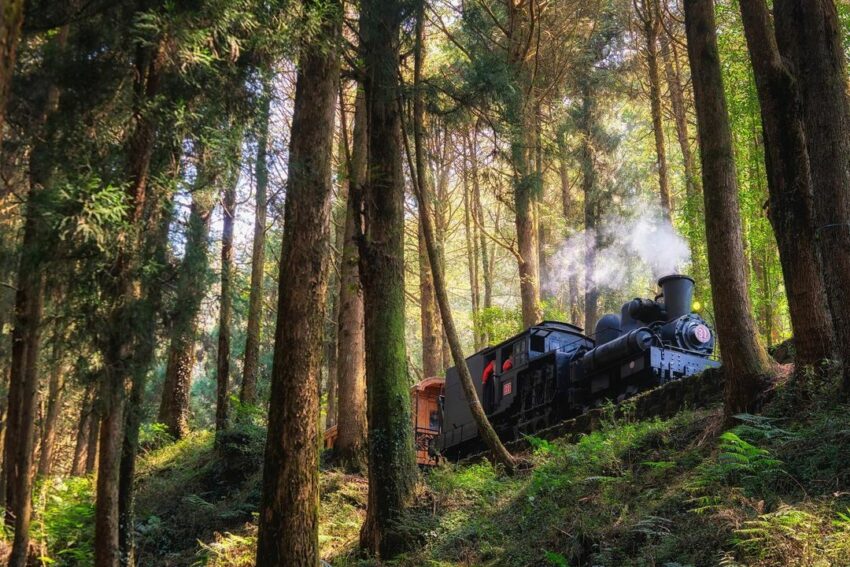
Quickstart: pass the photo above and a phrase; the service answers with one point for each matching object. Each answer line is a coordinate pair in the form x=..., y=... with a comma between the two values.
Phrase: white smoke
x=625, y=248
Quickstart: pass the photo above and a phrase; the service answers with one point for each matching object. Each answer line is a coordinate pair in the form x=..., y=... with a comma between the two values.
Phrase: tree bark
x=155, y=250
x=250, y=374
x=289, y=520
x=191, y=287
x=809, y=35
x=92, y=436
x=471, y=250
x=745, y=360
x=123, y=290
x=11, y=20
x=587, y=125
x=225, y=312
x=55, y=387
x=650, y=15
x=78, y=462
x=789, y=185
x=526, y=190
x=391, y=456
x=350, y=448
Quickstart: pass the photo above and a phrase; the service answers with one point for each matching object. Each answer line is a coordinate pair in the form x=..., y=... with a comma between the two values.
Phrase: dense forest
x=236, y=234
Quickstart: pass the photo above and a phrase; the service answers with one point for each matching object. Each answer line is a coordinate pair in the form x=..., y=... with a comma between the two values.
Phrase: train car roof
x=553, y=325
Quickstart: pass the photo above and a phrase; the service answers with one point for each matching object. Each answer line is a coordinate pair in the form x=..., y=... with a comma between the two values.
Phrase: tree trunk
x=485, y=429
x=250, y=374
x=289, y=519
x=587, y=125
x=391, y=456
x=11, y=20
x=526, y=190
x=471, y=251
x=225, y=313
x=55, y=386
x=78, y=463
x=432, y=335
x=155, y=253
x=651, y=19
x=92, y=435
x=123, y=291
x=350, y=448
x=809, y=35
x=191, y=287
x=745, y=360
x=789, y=186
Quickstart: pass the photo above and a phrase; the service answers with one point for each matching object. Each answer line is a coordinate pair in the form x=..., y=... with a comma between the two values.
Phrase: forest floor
x=773, y=490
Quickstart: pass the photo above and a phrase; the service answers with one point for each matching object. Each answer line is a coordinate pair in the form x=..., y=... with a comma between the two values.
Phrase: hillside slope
x=774, y=490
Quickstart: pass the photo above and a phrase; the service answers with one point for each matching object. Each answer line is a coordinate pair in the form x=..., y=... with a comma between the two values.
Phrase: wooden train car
x=425, y=398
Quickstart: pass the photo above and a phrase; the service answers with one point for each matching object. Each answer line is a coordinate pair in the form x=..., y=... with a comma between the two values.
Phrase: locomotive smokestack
x=678, y=294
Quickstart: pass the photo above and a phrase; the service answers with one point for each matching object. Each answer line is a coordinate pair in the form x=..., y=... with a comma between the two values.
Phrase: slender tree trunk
x=123, y=290
x=432, y=334
x=673, y=74
x=55, y=387
x=350, y=448
x=225, y=312
x=11, y=20
x=471, y=250
x=158, y=223
x=92, y=436
x=591, y=209
x=651, y=19
x=483, y=247
x=250, y=374
x=78, y=462
x=289, y=519
x=391, y=456
x=745, y=360
x=789, y=185
x=526, y=189
x=191, y=287
x=485, y=429
x=809, y=35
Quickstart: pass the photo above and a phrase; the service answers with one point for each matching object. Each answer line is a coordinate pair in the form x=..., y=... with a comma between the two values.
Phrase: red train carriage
x=425, y=398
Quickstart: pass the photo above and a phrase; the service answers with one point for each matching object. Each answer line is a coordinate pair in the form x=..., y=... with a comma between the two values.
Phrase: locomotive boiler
x=553, y=371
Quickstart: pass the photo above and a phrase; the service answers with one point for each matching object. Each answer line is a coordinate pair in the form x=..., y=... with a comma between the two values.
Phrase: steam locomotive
x=553, y=371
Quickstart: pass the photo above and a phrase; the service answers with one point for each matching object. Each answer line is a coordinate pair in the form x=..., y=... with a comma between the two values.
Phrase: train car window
x=538, y=343
x=434, y=420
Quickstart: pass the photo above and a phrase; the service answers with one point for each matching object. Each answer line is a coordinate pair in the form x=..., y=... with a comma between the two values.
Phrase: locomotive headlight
x=696, y=306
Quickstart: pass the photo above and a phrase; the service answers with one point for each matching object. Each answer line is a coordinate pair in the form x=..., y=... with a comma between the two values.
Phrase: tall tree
x=744, y=357
x=250, y=367
x=350, y=446
x=11, y=20
x=485, y=429
x=809, y=35
x=29, y=296
x=289, y=520
x=191, y=285
x=225, y=304
x=391, y=457
x=649, y=16
x=55, y=389
x=122, y=290
x=789, y=185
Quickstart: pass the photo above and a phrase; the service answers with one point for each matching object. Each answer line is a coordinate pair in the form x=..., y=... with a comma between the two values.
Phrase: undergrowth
x=773, y=490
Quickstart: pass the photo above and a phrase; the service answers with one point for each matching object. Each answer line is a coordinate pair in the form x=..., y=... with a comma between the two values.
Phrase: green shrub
x=154, y=436
x=64, y=521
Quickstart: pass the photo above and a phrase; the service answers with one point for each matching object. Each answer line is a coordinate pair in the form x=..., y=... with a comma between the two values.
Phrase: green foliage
x=154, y=436
x=88, y=211
x=499, y=323
x=64, y=524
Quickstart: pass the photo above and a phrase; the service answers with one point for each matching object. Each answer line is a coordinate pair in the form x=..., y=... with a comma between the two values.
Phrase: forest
x=258, y=256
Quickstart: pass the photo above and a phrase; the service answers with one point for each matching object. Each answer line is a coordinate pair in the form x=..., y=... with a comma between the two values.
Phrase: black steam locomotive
x=554, y=371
